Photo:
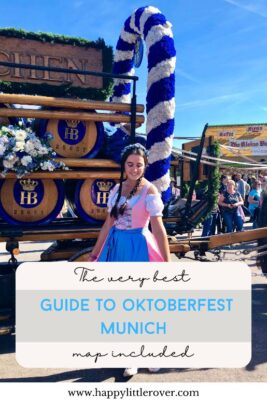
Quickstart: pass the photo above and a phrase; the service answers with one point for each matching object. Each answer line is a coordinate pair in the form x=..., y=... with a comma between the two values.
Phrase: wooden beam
x=67, y=103
x=175, y=162
x=88, y=163
x=86, y=234
x=67, y=175
x=179, y=248
x=237, y=237
x=41, y=236
x=66, y=115
x=221, y=240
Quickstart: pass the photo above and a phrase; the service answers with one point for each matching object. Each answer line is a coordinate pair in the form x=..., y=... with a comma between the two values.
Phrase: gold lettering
x=48, y=63
x=102, y=197
x=17, y=71
x=72, y=65
x=71, y=133
x=28, y=198
x=33, y=71
x=7, y=71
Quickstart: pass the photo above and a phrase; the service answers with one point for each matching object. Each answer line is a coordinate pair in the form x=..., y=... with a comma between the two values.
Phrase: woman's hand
x=92, y=257
x=159, y=232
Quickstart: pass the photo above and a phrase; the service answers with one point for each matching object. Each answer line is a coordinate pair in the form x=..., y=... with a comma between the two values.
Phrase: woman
x=254, y=201
x=224, y=179
x=210, y=222
x=132, y=204
x=231, y=203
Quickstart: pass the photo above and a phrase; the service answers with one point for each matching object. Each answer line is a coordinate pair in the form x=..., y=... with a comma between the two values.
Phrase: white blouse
x=153, y=204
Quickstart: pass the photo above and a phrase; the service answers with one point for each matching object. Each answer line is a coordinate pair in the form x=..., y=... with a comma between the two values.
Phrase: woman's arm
x=159, y=232
x=222, y=203
x=240, y=202
x=157, y=226
x=101, y=238
x=252, y=201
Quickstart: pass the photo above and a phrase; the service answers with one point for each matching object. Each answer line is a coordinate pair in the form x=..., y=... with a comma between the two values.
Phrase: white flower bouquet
x=21, y=151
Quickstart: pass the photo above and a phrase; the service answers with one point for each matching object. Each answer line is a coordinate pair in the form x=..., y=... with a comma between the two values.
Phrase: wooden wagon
x=66, y=231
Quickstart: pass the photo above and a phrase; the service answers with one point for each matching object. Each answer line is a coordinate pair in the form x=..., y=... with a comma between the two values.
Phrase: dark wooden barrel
x=88, y=198
x=30, y=201
x=73, y=138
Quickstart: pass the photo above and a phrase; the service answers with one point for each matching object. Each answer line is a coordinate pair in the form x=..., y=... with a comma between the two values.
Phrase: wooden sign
x=50, y=55
x=240, y=140
x=53, y=51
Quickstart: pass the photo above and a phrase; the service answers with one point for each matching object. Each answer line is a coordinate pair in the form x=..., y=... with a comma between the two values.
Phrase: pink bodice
x=138, y=209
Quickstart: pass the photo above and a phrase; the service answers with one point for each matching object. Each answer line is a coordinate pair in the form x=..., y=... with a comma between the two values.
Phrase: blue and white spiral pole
x=151, y=25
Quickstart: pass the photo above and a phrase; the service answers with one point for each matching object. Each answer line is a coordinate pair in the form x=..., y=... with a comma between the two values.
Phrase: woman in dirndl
x=132, y=204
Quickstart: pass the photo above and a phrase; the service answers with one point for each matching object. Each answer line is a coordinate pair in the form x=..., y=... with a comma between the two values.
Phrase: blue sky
x=221, y=70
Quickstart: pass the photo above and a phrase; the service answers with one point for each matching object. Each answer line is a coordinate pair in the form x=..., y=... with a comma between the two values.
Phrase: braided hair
x=139, y=150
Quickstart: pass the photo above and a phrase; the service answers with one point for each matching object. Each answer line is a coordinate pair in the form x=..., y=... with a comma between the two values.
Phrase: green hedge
x=214, y=179
x=65, y=90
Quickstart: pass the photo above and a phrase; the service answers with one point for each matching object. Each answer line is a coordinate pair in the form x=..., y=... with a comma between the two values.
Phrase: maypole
x=150, y=24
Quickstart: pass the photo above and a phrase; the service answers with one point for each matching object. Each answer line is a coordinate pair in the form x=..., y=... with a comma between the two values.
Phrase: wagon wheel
x=82, y=255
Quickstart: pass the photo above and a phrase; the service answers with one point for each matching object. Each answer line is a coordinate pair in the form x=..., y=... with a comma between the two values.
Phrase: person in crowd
x=224, y=179
x=251, y=179
x=254, y=201
x=175, y=190
x=231, y=202
x=247, y=189
x=260, y=178
x=220, y=224
x=211, y=222
x=132, y=204
x=263, y=190
x=240, y=185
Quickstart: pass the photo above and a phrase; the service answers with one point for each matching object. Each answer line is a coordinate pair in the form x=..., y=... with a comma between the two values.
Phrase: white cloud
x=185, y=75
x=212, y=101
x=255, y=7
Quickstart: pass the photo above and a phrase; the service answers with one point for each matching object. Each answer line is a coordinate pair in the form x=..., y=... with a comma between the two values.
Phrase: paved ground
x=256, y=371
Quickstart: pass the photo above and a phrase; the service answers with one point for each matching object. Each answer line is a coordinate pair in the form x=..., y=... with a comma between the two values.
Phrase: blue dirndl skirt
x=125, y=245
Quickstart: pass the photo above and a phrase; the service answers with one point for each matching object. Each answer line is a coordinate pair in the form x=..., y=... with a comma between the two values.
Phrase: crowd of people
x=239, y=196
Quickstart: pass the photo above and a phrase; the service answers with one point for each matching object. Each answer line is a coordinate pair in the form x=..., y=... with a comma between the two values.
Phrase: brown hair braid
x=132, y=149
